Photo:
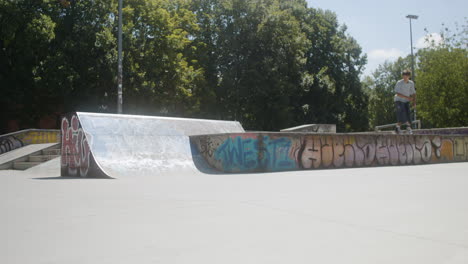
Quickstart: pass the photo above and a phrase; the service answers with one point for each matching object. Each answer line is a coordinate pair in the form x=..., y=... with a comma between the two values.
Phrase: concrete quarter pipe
x=106, y=145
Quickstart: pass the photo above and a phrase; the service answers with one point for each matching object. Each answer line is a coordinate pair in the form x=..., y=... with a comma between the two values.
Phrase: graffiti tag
x=75, y=148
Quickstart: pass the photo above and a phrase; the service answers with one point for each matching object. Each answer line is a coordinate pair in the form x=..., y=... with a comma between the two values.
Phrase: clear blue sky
x=382, y=29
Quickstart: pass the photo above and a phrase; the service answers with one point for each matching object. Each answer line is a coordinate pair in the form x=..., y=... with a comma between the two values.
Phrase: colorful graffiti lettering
x=247, y=154
x=38, y=137
x=238, y=153
x=75, y=148
x=26, y=137
x=9, y=143
x=276, y=152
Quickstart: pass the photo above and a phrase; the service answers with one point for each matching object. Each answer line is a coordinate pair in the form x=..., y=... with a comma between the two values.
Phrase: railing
x=379, y=128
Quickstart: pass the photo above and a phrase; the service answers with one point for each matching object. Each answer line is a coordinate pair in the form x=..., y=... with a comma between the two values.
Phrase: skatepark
x=166, y=190
x=105, y=145
x=233, y=132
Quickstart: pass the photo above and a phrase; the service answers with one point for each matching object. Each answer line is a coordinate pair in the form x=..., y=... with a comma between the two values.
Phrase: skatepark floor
x=405, y=214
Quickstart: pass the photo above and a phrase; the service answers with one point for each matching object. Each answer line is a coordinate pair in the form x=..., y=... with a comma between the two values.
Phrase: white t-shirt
x=406, y=89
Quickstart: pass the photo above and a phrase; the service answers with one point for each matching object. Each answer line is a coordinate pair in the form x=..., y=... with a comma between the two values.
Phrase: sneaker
x=409, y=130
x=397, y=129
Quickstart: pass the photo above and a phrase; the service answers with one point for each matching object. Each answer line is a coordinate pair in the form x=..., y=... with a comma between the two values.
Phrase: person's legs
x=399, y=108
x=408, y=117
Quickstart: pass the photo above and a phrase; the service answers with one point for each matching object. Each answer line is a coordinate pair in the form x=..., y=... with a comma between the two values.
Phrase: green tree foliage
x=253, y=53
x=270, y=64
x=159, y=78
x=80, y=66
x=55, y=56
x=332, y=90
x=443, y=81
x=26, y=31
x=274, y=64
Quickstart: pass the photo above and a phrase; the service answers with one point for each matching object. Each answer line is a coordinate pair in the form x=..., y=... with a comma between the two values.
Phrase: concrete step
x=51, y=152
x=19, y=159
x=24, y=165
x=6, y=166
x=42, y=158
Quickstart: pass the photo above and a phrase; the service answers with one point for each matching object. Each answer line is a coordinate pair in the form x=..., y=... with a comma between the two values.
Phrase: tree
x=25, y=33
x=159, y=76
x=80, y=67
x=332, y=92
x=253, y=55
x=443, y=80
x=269, y=64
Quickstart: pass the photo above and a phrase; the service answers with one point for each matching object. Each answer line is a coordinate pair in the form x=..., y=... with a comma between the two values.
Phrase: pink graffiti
x=75, y=148
x=311, y=155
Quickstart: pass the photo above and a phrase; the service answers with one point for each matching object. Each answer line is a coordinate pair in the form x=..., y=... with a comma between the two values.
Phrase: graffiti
x=460, y=149
x=23, y=138
x=276, y=152
x=239, y=153
x=208, y=146
x=9, y=143
x=309, y=155
x=39, y=137
x=75, y=148
x=248, y=154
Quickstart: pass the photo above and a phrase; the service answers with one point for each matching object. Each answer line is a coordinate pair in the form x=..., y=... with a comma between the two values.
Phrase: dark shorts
x=403, y=112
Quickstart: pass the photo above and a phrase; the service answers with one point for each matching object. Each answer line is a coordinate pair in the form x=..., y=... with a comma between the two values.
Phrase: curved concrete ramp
x=108, y=145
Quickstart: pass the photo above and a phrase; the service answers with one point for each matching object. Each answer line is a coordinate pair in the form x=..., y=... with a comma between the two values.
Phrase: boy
x=404, y=94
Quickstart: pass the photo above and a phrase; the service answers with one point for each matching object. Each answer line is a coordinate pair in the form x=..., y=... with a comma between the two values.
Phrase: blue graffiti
x=276, y=154
x=248, y=154
x=238, y=154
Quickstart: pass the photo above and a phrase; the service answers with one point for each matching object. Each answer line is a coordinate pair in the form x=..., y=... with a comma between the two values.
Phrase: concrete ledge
x=267, y=152
x=11, y=141
x=443, y=131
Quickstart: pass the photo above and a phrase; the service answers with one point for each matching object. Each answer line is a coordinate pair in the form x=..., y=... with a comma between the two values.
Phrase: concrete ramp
x=108, y=145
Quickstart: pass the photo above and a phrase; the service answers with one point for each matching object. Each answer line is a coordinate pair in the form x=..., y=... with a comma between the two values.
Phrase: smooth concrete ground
x=413, y=214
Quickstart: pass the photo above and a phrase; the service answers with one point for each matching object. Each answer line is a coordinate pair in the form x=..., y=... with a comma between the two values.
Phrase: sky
x=382, y=29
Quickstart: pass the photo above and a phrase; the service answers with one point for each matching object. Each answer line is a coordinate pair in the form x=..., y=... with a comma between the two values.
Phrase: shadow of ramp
x=61, y=178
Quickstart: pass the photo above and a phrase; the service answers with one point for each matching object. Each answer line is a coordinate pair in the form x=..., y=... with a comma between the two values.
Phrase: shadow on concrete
x=65, y=178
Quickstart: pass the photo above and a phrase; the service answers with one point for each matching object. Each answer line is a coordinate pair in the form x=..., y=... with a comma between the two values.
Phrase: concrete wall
x=254, y=152
x=22, y=138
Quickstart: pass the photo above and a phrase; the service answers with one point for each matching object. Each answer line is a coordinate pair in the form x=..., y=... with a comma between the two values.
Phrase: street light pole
x=412, y=55
x=119, y=70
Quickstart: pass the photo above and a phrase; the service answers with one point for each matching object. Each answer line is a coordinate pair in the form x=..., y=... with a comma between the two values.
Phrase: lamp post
x=412, y=56
x=119, y=62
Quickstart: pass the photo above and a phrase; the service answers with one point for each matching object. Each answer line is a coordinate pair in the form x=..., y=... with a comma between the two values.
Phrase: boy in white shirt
x=404, y=94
